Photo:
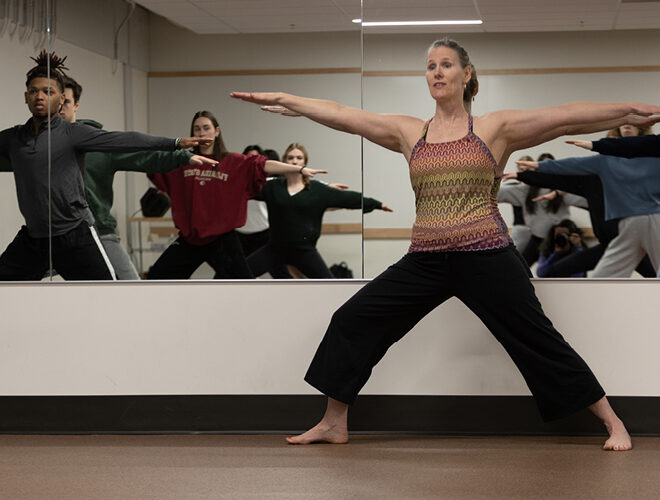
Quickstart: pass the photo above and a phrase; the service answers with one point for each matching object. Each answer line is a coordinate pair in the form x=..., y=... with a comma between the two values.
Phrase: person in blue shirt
x=631, y=188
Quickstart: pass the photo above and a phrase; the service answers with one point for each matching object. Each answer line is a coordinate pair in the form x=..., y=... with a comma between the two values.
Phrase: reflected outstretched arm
x=395, y=132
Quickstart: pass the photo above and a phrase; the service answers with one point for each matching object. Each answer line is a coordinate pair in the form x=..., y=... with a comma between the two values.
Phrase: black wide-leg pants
x=495, y=285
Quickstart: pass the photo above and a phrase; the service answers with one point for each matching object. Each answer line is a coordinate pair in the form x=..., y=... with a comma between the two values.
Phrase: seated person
x=563, y=239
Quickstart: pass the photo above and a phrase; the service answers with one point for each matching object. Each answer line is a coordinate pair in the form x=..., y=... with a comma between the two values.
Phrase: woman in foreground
x=460, y=244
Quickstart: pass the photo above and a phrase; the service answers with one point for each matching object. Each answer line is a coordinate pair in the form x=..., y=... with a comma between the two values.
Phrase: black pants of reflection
x=252, y=242
x=495, y=285
x=532, y=250
x=586, y=260
x=181, y=259
x=77, y=255
x=274, y=261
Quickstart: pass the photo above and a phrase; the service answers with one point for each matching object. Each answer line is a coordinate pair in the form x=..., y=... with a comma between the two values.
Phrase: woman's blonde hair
x=616, y=132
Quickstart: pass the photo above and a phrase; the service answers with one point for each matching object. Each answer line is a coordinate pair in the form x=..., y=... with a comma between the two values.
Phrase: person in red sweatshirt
x=209, y=203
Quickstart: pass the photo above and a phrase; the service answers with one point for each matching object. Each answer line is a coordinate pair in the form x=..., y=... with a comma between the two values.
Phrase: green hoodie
x=100, y=171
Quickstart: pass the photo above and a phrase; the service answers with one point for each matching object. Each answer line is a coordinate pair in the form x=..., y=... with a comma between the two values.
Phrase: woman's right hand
x=191, y=142
x=527, y=165
x=588, y=145
x=545, y=197
x=201, y=160
x=308, y=173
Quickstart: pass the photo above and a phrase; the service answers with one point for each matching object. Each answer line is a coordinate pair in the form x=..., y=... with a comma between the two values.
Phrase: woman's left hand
x=509, y=175
x=385, y=208
x=280, y=110
x=266, y=98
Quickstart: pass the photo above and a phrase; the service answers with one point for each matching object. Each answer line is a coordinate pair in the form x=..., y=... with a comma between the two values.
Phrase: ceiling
x=287, y=16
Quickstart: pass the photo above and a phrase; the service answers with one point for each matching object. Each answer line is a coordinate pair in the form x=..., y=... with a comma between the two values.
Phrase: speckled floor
x=370, y=466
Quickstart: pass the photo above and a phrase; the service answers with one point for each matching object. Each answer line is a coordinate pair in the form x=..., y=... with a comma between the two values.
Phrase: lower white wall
x=258, y=338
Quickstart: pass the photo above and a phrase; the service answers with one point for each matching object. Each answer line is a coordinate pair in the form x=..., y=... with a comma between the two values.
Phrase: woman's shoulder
x=275, y=183
x=413, y=127
x=234, y=157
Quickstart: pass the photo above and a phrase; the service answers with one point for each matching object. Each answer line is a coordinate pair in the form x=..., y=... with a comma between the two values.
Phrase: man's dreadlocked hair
x=41, y=69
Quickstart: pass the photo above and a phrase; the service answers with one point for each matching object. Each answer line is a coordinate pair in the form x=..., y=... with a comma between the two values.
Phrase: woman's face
x=203, y=127
x=444, y=74
x=628, y=130
x=295, y=157
x=252, y=152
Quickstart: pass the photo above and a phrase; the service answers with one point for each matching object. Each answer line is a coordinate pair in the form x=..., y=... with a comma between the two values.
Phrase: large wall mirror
x=151, y=65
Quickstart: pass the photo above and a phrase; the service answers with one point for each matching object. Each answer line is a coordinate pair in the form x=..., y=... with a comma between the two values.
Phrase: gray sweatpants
x=124, y=268
x=638, y=235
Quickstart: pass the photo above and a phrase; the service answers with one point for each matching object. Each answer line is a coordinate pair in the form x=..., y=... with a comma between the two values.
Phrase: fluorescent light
x=415, y=23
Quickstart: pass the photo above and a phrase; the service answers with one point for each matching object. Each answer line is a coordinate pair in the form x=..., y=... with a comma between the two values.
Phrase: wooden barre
x=370, y=233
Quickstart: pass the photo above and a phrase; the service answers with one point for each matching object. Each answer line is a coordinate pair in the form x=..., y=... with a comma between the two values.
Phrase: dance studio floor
x=371, y=466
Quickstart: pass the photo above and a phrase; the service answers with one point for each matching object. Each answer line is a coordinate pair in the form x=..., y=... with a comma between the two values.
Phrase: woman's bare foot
x=619, y=438
x=333, y=427
x=321, y=433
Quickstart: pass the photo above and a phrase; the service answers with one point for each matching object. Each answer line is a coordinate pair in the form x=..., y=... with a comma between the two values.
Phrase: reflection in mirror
x=307, y=236
x=516, y=70
x=111, y=45
x=26, y=30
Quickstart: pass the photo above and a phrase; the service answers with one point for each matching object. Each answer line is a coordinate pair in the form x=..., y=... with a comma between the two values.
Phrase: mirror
x=141, y=72
x=520, y=66
x=111, y=46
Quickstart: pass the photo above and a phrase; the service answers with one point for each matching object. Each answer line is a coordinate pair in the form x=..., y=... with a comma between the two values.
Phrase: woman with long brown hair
x=209, y=202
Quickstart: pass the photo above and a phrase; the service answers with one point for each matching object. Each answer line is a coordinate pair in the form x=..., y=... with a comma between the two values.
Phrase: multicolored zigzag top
x=456, y=196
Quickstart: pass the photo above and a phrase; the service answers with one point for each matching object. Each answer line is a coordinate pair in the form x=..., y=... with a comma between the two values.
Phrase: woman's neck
x=450, y=111
x=294, y=181
x=206, y=150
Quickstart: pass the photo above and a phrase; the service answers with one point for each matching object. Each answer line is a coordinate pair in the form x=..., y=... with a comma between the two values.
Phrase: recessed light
x=415, y=23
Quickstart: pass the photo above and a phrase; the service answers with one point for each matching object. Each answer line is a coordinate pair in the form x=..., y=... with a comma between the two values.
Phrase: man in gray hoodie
x=45, y=155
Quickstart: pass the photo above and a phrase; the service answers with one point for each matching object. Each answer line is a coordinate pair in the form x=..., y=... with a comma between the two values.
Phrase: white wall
x=259, y=337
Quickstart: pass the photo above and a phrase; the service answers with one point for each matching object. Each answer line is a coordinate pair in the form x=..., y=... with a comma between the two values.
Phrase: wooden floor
x=257, y=466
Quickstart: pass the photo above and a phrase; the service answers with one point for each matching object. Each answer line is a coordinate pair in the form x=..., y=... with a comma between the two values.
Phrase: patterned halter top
x=456, y=196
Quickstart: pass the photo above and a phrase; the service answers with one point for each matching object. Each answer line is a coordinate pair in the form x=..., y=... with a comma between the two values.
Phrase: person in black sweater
x=295, y=214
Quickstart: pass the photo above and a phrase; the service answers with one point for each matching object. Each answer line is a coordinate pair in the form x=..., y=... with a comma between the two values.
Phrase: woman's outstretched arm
x=272, y=167
x=396, y=132
x=527, y=128
x=587, y=128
